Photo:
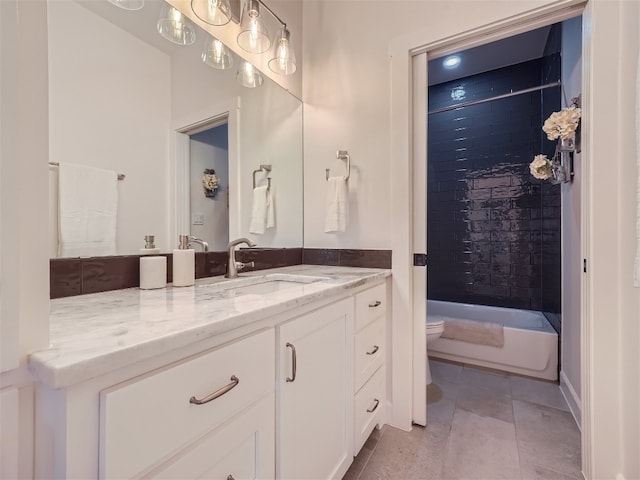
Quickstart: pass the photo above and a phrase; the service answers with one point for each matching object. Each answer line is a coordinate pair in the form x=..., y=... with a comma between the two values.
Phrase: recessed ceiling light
x=451, y=62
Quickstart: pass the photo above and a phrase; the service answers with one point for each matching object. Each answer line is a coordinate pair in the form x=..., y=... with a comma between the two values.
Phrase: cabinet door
x=315, y=415
x=243, y=448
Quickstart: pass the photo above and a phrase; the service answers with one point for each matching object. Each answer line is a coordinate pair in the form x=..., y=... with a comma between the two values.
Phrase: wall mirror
x=123, y=98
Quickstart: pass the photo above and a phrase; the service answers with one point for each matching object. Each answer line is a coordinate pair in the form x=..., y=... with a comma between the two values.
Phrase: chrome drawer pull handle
x=218, y=393
x=373, y=350
x=294, y=363
x=375, y=304
x=371, y=410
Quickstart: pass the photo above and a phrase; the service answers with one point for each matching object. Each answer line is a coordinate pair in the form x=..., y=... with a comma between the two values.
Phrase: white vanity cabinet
x=290, y=394
x=314, y=391
x=194, y=417
x=369, y=371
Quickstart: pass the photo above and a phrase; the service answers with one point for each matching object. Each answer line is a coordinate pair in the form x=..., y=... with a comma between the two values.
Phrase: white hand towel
x=262, y=211
x=87, y=211
x=337, y=203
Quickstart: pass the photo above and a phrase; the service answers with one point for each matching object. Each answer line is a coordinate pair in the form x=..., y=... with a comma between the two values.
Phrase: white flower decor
x=562, y=124
x=541, y=167
x=210, y=182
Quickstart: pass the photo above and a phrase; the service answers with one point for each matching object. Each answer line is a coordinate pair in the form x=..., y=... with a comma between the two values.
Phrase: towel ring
x=263, y=168
x=342, y=155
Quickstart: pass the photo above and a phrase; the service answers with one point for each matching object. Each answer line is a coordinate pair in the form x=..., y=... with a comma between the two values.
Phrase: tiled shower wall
x=493, y=231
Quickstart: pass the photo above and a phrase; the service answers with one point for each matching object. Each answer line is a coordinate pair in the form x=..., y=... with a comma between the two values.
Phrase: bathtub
x=530, y=342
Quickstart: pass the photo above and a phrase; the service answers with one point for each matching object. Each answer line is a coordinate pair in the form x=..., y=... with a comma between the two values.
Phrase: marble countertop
x=94, y=334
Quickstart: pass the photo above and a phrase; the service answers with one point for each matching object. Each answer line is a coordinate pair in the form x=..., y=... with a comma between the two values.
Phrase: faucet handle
x=243, y=265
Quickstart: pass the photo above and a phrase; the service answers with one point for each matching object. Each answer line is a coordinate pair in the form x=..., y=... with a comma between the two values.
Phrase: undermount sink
x=262, y=284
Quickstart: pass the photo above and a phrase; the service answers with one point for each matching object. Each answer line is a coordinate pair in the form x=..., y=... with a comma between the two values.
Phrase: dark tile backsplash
x=493, y=231
x=347, y=257
x=77, y=276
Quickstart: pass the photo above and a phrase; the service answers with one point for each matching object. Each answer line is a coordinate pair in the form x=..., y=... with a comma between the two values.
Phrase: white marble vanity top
x=94, y=334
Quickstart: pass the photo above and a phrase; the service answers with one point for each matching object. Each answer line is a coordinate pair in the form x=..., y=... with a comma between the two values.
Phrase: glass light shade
x=128, y=4
x=175, y=27
x=213, y=12
x=216, y=54
x=249, y=76
x=253, y=36
x=284, y=60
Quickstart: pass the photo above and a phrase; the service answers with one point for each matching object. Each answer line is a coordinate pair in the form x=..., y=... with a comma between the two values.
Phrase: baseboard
x=572, y=399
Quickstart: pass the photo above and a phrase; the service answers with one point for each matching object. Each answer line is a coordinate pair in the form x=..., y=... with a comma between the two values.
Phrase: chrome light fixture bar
x=254, y=34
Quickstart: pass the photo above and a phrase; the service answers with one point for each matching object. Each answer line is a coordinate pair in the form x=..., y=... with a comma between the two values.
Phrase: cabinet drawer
x=144, y=421
x=370, y=304
x=242, y=448
x=369, y=351
x=368, y=409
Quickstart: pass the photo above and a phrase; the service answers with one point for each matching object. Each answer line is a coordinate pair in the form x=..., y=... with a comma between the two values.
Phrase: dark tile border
x=347, y=257
x=78, y=276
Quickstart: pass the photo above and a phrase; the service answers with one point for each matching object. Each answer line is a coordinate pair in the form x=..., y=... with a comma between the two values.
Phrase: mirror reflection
x=124, y=99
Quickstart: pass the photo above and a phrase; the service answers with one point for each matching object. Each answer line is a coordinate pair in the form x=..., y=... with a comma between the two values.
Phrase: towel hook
x=265, y=168
x=342, y=155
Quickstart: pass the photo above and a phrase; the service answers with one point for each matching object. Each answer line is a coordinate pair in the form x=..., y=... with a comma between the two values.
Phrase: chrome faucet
x=232, y=265
x=191, y=239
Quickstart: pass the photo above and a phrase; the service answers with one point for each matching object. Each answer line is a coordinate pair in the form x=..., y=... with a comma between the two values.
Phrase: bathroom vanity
x=276, y=374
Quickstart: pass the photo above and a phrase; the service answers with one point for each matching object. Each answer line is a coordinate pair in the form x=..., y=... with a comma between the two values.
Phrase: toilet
x=435, y=327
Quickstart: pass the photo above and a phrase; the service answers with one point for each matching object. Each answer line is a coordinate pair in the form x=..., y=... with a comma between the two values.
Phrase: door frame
x=227, y=111
x=409, y=299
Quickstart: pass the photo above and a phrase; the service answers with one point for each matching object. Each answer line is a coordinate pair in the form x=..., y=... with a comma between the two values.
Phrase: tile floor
x=481, y=425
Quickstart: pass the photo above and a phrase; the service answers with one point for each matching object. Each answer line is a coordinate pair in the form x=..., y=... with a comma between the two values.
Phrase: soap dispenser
x=149, y=246
x=153, y=268
x=184, y=263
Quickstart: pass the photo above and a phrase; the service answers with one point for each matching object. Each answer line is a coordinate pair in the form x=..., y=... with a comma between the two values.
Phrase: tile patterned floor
x=481, y=425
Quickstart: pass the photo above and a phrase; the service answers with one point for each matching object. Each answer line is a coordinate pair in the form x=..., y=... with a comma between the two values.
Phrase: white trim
x=10, y=428
x=402, y=225
x=419, y=233
x=504, y=29
x=571, y=397
x=586, y=327
x=226, y=111
x=401, y=241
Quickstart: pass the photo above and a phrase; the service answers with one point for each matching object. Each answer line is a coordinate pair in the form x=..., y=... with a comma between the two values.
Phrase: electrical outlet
x=197, y=218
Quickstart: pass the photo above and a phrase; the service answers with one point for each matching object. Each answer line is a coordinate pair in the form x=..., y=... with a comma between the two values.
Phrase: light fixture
x=451, y=62
x=175, y=27
x=213, y=12
x=128, y=4
x=253, y=36
x=216, y=54
x=249, y=76
x=284, y=59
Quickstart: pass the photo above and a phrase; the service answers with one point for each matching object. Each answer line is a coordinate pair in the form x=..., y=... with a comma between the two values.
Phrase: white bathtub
x=530, y=342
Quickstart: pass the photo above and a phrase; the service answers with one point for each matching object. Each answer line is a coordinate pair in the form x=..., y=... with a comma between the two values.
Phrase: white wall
x=209, y=149
x=24, y=287
x=628, y=343
x=571, y=229
x=279, y=118
x=109, y=101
